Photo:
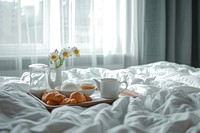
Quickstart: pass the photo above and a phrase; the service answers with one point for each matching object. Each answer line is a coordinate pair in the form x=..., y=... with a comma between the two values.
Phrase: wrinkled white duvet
x=169, y=102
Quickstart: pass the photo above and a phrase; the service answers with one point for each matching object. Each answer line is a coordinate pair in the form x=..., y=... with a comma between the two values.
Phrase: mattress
x=169, y=101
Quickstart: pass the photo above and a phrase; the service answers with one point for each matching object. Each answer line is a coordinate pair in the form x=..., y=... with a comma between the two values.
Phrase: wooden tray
x=95, y=101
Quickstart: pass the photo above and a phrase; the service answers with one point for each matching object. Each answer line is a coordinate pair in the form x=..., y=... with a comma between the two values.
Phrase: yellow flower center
x=53, y=57
x=76, y=51
x=65, y=54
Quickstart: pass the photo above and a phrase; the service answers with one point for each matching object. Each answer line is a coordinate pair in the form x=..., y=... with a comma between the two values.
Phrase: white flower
x=53, y=55
x=65, y=53
x=76, y=51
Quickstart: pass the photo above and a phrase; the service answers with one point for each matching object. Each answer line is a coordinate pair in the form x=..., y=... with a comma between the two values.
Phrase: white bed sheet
x=169, y=102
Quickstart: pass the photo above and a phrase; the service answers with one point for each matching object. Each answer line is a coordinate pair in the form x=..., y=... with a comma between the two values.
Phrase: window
x=81, y=20
x=21, y=27
x=30, y=29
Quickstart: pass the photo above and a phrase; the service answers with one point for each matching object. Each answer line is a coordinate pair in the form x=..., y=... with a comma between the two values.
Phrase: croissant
x=44, y=96
x=52, y=97
x=49, y=102
x=68, y=101
x=78, y=96
x=88, y=98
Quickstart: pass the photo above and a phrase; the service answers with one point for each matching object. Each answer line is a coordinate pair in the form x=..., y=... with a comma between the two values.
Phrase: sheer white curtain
x=105, y=31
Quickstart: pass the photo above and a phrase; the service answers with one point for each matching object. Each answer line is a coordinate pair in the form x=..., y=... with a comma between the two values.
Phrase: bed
x=169, y=101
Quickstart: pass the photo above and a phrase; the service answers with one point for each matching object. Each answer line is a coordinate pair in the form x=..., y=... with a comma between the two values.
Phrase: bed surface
x=169, y=102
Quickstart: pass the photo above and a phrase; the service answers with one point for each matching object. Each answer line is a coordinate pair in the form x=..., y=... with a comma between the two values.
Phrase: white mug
x=110, y=88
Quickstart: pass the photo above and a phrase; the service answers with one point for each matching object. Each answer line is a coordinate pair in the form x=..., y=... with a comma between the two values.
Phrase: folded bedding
x=169, y=101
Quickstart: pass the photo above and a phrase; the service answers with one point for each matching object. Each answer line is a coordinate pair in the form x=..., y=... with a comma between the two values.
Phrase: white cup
x=110, y=88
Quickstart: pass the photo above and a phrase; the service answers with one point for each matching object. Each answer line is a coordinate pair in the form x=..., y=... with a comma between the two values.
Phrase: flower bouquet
x=57, y=58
